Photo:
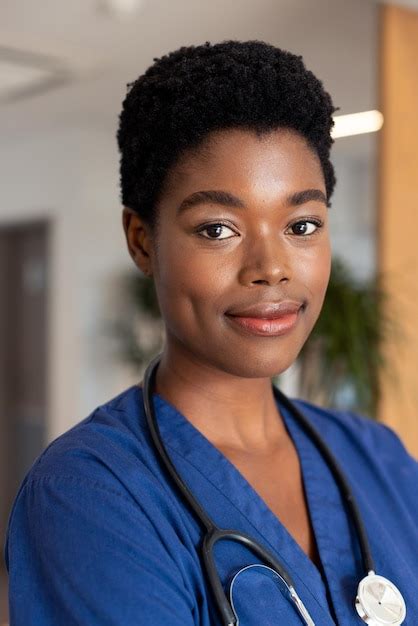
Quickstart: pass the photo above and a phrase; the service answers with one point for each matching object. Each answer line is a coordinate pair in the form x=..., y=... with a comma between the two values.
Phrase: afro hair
x=190, y=92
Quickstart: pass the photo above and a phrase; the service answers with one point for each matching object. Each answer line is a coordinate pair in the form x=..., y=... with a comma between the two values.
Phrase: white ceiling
x=98, y=54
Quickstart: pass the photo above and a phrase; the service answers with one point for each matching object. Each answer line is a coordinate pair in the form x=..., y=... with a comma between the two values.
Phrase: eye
x=214, y=229
x=305, y=227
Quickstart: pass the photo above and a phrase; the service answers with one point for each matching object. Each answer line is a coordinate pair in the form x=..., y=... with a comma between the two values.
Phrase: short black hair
x=190, y=92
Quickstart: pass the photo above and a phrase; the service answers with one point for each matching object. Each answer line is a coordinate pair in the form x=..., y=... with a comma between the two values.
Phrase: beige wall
x=398, y=215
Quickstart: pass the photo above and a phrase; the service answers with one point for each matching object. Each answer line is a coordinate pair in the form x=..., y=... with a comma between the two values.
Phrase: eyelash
x=311, y=220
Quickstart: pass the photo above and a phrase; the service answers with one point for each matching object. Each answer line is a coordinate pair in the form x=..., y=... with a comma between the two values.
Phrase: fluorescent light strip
x=356, y=124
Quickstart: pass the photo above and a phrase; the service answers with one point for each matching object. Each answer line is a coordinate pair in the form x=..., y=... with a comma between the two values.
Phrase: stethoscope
x=378, y=602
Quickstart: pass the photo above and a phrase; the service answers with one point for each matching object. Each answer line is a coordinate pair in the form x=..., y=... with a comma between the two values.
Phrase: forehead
x=235, y=158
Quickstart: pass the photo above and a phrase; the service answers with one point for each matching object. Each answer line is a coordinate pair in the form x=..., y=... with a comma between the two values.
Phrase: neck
x=231, y=412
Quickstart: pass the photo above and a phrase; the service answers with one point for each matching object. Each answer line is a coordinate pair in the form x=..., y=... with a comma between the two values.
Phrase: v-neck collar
x=333, y=535
x=333, y=526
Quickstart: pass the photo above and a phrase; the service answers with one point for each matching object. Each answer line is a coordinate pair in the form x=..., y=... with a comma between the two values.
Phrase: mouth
x=268, y=321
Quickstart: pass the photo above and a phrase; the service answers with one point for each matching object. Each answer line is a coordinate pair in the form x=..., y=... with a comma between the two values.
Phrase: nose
x=266, y=261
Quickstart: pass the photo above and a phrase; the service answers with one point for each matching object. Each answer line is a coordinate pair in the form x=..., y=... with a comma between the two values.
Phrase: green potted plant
x=341, y=362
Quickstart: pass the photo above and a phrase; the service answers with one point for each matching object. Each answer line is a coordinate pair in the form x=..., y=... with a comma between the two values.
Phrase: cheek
x=190, y=285
x=315, y=274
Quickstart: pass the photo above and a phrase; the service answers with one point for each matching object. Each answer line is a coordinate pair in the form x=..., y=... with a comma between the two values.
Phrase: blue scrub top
x=99, y=536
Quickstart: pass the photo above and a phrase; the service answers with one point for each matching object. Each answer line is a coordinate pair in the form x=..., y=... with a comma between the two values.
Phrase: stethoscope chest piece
x=379, y=602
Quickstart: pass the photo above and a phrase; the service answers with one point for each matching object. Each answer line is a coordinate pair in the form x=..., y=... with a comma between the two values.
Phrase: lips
x=269, y=319
x=267, y=310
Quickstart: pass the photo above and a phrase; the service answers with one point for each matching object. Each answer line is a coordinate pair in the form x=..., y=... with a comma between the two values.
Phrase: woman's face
x=267, y=246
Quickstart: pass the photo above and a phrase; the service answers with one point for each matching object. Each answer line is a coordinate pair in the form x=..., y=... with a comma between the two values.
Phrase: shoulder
x=109, y=450
x=103, y=467
x=363, y=444
x=352, y=427
x=111, y=431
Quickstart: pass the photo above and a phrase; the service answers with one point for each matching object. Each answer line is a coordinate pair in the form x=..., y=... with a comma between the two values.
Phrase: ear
x=138, y=240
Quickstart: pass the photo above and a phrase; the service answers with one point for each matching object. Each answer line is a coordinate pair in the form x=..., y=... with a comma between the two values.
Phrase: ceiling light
x=356, y=124
x=120, y=8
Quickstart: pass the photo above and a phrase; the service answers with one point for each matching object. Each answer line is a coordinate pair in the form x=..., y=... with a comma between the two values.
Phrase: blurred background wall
x=64, y=68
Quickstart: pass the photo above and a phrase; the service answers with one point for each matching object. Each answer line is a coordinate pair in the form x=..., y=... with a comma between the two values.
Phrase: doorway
x=24, y=267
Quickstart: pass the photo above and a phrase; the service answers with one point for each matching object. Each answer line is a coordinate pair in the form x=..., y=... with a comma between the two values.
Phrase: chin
x=259, y=364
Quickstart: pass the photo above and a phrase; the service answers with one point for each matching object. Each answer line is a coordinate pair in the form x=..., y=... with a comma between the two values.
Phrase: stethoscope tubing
x=213, y=532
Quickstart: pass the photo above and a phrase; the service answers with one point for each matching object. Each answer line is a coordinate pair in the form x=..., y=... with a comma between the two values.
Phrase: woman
x=226, y=183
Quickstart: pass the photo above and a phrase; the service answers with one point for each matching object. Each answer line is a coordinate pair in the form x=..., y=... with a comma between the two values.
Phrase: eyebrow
x=225, y=198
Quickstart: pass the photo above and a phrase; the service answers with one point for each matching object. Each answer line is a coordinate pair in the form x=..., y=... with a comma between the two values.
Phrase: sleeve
x=79, y=553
